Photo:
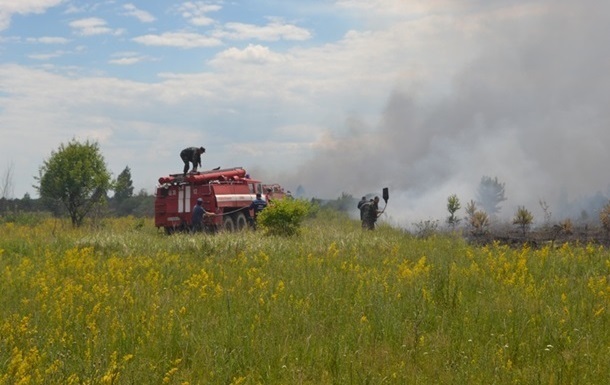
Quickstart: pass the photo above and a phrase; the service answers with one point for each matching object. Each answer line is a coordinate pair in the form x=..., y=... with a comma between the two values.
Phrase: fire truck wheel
x=241, y=222
x=228, y=224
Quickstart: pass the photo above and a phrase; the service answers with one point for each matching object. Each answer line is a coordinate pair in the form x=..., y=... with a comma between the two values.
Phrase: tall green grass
x=122, y=303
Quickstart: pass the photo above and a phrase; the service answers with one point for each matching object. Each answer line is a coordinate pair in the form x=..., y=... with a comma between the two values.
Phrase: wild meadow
x=123, y=303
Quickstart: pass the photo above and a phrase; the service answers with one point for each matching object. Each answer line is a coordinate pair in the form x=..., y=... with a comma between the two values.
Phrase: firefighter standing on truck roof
x=191, y=155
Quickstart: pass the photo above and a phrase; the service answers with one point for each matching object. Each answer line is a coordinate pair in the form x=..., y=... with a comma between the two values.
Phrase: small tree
x=604, y=217
x=546, y=210
x=6, y=183
x=123, y=186
x=283, y=217
x=567, y=226
x=453, y=205
x=479, y=222
x=477, y=219
x=490, y=194
x=471, y=208
x=523, y=219
x=75, y=176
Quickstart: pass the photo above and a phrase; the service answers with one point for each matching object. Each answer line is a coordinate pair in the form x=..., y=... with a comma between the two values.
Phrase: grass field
x=124, y=304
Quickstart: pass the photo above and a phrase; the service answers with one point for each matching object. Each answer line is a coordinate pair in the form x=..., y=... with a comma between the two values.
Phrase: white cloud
x=128, y=58
x=22, y=7
x=48, y=40
x=400, y=8
x=93, y=26
x=178, y=39
x=256, y=54
x=275, y=30
x=195, y=12
x=143, y=16
x=47, y=56
x=471, y=85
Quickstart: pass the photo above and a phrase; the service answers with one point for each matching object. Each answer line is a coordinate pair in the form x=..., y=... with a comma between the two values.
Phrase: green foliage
x=345, y=202
x=523, y=218
x=123, y=186
x=453, y=205
x=75, y=176
x=426, y=229
x=283, y=216
x=126, y=305
x=477, y=219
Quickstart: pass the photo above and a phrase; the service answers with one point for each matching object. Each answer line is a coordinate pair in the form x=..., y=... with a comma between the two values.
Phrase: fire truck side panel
x=233, y=195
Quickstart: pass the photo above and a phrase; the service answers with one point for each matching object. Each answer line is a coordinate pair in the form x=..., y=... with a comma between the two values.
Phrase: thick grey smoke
x=531, y=109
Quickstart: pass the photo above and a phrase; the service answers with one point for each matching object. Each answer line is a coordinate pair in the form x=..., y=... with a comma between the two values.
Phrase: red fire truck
x=226, y=192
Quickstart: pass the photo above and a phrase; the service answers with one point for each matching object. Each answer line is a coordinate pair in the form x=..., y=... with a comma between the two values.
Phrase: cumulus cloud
x=48, y=40
x=141, y=15
x=46, y=56
x=93, y=26
x=426, y=101
x=195, y=12
x=23, y=7
x=256, y=54
x=178, y=39
x=128, y=58
x=273, y=31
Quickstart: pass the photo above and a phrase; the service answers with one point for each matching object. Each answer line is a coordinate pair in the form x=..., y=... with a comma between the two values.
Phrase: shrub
x=453, y=205
x=283, y=217
x=523, y=219
x=479, y=221
x=604, y=217
x=426, y=229
x=566, y=226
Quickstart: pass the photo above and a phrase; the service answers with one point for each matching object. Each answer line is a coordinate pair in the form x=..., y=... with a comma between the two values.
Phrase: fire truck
x=227, y=193
x=273, y=191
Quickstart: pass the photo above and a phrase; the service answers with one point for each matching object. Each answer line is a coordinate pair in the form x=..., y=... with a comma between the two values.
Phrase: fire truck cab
x=226, y=193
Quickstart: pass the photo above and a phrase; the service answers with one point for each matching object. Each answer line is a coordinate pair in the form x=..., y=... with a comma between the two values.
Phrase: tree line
x=75, y=182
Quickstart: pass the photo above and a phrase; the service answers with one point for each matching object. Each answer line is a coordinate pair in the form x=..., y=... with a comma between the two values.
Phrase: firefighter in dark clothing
x=191, y=155
x=197, y=216
x=371, y=214
x=363, y=206
x=257, y=205
x=361, y=203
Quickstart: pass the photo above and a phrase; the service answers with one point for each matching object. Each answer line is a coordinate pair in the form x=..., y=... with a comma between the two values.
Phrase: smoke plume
x=531, y=110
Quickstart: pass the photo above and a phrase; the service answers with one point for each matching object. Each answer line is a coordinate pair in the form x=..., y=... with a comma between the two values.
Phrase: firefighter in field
x=257, y=205
x=197, y=216
x=361, y=203
x=371, y=213
x=191, y=155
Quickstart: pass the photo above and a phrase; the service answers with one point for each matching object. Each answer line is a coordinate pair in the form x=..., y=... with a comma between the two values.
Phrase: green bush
x=283, y=217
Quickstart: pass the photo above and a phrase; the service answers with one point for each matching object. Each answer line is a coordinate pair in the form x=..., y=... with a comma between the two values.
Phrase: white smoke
x=531, y=110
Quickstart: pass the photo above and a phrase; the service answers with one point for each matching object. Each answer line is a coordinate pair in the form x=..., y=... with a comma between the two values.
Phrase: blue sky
x=337, y=96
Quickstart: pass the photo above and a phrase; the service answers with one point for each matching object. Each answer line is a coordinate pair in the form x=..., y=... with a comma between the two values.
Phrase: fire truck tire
x=241, y=223
x=228, y=224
